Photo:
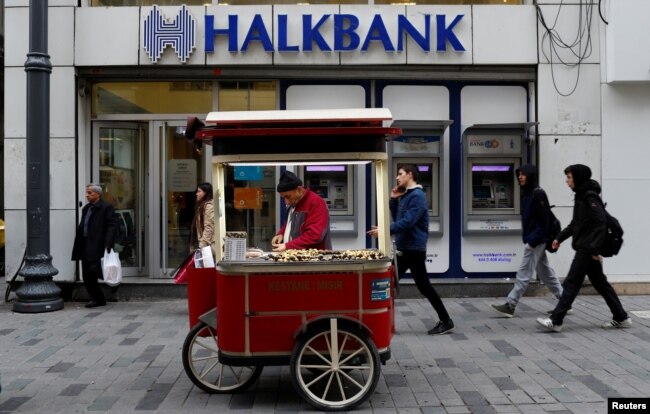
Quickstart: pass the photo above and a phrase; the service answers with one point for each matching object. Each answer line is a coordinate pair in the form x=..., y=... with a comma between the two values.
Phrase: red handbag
x=181, y=275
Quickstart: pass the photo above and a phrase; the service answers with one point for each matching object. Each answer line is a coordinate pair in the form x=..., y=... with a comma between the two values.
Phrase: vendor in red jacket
x=308, y=220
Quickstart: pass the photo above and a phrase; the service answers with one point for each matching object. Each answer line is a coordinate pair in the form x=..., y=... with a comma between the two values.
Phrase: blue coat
x=410, y=220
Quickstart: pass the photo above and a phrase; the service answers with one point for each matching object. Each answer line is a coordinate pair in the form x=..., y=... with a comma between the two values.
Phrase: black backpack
x=614, y=237
x=554, y=227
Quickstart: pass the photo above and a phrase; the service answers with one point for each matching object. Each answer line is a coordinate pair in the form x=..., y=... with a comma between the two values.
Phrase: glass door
x=118, y=166
x=182, y=168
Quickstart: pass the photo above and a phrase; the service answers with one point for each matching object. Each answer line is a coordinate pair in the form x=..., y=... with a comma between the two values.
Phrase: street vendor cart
x=329, y=315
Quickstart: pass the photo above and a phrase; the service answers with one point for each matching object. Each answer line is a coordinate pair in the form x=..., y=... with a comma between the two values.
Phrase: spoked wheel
x=201, y=363
x=335, y=367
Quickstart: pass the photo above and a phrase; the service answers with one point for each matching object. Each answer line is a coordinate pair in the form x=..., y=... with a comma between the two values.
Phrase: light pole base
x=38, y=293
x=25, y=306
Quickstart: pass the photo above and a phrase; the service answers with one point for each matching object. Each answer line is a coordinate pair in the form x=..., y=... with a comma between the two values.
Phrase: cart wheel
x=335, y=367
x=201, y=363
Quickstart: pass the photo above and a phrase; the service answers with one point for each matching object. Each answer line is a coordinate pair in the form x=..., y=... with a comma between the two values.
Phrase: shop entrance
x=149, y=173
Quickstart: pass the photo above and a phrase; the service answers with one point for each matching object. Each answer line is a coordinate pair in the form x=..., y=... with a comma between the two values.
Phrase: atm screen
x=482, y=192
x=321, y=190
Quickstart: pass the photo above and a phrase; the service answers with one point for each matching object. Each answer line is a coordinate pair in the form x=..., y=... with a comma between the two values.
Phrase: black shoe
x=442, y=328
x=505, y=310
x=93, y=304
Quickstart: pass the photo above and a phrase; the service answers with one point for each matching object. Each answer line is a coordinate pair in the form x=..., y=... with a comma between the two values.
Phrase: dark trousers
x=91, y=273
x=415, y=261
x=584, y=265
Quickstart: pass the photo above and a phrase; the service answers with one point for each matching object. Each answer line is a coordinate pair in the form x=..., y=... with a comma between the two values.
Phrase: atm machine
x=335, y=184
x=423, y=144
x=491, y=211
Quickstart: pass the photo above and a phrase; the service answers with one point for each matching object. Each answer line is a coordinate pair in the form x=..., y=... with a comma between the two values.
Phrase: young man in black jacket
x=535, y=221
x=588, y=228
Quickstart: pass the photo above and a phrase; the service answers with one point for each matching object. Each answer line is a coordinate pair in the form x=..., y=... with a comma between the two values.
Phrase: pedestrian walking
x=410, y=226
x=536, y=226
x=202, y=231
x=588, y=229
x=96, y=233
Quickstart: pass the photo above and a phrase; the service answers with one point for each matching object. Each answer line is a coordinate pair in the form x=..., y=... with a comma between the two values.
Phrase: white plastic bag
x=206, y=253
x=111, y=268
x=198, y=259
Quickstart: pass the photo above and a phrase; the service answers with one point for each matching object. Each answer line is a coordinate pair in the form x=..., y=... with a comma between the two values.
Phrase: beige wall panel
x=107, y=36
x=577, y=113
x=505, y=35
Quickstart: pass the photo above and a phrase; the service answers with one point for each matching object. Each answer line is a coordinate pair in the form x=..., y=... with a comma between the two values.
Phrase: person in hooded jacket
x=588, y=228
x=535, y=222
x=410, y=226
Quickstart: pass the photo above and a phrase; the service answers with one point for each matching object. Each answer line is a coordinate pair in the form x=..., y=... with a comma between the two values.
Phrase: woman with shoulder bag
x=202, y=232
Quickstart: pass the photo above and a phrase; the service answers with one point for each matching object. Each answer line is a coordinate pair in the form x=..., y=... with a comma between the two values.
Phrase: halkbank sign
x=315, y=33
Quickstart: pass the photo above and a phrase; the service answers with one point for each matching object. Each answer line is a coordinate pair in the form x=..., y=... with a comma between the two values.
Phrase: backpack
x=553, y=225
x=614, y=236
x=553, y=232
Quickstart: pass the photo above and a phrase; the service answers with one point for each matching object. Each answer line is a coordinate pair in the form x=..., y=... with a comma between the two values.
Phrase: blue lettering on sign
x=211, y=32
x=257, y=32
x=311, y=34
x=378, y=32
x=343, y=30
x=180, y=34
x=424, y=41
x=282, y=35
x=446, y=34
x=345, y=38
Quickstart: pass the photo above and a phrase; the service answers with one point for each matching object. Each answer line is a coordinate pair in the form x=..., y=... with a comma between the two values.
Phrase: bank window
x=250, y=191
x=247, y=96
x=151, y=97
x=132, y=3
x=440, y=2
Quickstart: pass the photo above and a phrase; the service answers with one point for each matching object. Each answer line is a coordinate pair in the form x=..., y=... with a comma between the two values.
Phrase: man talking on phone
x=410, y=226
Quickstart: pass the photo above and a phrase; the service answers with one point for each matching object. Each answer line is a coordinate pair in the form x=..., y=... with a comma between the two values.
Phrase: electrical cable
x=10, y=284
x=580, y=47
x=600, y=12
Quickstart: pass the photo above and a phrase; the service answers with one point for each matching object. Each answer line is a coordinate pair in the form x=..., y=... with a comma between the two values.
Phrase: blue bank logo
x=160, y=32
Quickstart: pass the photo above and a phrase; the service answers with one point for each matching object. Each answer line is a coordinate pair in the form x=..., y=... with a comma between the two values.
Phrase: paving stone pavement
x=126, y=358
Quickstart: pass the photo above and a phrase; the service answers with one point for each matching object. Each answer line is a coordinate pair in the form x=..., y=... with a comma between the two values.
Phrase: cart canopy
x=324, y=134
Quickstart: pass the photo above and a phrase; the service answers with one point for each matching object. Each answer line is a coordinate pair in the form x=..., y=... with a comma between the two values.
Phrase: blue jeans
x=534, y=260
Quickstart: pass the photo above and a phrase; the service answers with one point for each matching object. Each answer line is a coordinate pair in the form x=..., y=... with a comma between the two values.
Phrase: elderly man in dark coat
x=95, y=234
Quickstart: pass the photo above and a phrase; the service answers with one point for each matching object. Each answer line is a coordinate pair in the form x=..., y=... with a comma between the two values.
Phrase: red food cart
x=329, y=315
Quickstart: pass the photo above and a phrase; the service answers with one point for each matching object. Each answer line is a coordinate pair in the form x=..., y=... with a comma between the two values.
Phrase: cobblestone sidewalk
x=126, y=358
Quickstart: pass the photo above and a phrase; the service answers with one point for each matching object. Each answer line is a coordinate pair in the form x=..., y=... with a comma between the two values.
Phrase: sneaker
x=626, y=323
x=442, y=328
x=548, y=324
x=569, y=312
x=506, y=310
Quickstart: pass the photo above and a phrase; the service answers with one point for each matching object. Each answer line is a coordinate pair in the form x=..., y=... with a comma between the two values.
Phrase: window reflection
x=133, y=3
x=250, y=193
x=247, y=96
x=151, y=97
